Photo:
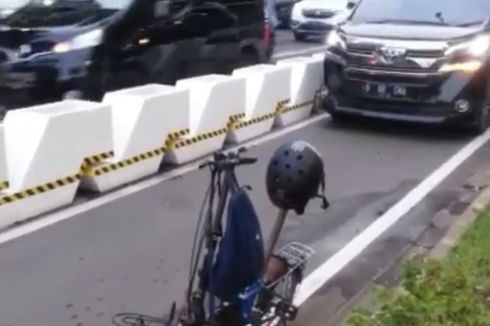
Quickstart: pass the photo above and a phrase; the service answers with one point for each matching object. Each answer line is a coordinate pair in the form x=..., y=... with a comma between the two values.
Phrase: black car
x=413, y=60
x=53, y=49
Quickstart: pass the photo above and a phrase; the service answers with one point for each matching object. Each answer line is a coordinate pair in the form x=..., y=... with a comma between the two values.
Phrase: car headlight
x=334, y=40
x=475, y=47
x=82, y=41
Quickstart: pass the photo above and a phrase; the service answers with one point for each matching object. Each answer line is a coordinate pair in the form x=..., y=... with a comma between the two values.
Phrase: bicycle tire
x=289, y=286
x=135, y=319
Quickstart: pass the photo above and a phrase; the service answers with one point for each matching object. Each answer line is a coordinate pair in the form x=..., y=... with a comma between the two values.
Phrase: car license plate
x=384, y=90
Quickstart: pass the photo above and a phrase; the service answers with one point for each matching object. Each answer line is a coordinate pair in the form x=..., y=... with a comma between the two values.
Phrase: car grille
x=370, y=49
x=318, y=13
x=364, y=56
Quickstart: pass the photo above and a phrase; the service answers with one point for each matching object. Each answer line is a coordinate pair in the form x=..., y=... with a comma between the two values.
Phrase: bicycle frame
x=255, y=302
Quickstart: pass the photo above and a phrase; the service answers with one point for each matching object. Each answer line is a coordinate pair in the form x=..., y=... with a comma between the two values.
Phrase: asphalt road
x=287, y=46
x=131, y=254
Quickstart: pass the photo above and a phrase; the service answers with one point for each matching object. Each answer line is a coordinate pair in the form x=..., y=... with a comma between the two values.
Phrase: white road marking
x=283, y=55
x=314, y=281
x=77, y=209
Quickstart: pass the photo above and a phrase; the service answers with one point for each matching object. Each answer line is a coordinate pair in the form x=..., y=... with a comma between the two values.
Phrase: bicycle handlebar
x=231, y=159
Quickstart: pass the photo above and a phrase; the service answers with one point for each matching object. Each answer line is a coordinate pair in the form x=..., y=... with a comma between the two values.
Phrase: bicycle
x=266, y=301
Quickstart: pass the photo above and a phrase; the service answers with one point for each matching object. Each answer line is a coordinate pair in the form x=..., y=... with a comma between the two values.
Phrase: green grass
x=454, y=291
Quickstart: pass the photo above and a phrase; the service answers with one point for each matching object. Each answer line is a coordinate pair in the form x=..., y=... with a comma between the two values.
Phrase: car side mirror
x=351, y=4
x=161, y=8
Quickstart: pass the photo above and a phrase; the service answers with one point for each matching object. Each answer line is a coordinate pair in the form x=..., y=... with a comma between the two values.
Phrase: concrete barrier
x=46, y=146
x=268, y=87
x=319, y=55
x=306, y=81
x=3, y=161
x=213, y=100
x=47, y=151
x=143, y=118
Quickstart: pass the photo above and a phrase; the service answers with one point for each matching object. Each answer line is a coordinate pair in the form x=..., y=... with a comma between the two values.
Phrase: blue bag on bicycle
x=240, y=257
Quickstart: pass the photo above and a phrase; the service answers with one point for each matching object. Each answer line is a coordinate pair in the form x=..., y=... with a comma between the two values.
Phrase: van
x=55, y=49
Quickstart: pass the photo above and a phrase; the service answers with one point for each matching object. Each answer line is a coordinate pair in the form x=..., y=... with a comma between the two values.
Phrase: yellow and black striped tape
x=255, y=120
x=237, y=124
x=39, y=189
x=171, y=139
x=95, y=159
x=178, y=134
x=174, y=137
x=297, y=106
x=281, y=105
x=234, y=119
x=91, y=172
x=200, y=138
x=4, y=185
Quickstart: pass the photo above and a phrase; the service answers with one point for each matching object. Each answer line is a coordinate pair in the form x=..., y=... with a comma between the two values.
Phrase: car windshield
x=441, y=12
x=104, y=4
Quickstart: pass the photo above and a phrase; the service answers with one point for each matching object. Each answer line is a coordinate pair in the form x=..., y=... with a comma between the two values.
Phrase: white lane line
x=69, y=212
x=356, y=246
x=311, y=50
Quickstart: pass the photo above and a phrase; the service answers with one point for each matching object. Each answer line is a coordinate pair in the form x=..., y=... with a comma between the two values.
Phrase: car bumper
x=430, y=97
x=44, y=78
x=314, y=28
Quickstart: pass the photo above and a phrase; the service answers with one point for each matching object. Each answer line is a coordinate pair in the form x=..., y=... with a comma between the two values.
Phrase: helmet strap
x=321, y=195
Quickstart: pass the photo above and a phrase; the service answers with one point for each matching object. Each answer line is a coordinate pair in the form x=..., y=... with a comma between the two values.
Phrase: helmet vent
x=299, y=157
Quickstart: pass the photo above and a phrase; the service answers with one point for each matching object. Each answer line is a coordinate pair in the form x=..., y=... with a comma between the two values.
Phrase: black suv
x=53, y=49
x=413, y=60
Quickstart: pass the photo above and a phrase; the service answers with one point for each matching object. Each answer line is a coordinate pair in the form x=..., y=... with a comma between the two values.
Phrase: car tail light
x=267, y=34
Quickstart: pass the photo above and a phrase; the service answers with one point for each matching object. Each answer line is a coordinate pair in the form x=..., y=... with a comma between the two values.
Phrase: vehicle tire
x=249, y=58
x=96, y=83
x=482, y=120
x=339, y=118
x=299, y=37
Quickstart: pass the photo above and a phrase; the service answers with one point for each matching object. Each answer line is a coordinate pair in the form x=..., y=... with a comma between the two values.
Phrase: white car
x=318, y=17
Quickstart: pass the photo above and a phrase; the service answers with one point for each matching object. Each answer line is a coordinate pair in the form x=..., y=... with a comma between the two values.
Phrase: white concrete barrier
x=3, y=161
x=319, y=55
x=45, y=148
x=306, y=81
x=142, y=119
x=268, y=86
x=213, y=100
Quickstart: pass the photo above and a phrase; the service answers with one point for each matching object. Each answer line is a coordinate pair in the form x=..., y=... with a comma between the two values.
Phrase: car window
x=447, y=12
x=104, y=4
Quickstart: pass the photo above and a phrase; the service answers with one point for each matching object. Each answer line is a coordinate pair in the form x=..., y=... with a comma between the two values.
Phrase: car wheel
x=249, y=58
x=299, y=37
x=339, y=118
x=482, y=120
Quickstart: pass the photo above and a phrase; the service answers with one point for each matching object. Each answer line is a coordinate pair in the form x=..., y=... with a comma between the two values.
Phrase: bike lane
x=132, y=254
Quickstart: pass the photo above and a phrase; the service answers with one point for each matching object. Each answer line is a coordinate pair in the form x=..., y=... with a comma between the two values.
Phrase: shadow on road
x=418, y=131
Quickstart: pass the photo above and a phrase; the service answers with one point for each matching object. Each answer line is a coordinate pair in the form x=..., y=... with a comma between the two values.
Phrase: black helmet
x=294, y=176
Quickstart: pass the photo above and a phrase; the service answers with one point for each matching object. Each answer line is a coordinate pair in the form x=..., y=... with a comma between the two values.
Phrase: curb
x=445, y=225
x=463, y=222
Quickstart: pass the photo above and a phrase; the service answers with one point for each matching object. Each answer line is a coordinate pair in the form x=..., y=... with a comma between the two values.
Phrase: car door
x=214, y=28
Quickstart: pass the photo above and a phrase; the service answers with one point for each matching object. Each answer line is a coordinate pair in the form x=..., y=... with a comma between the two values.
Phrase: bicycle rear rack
x=296, y=255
